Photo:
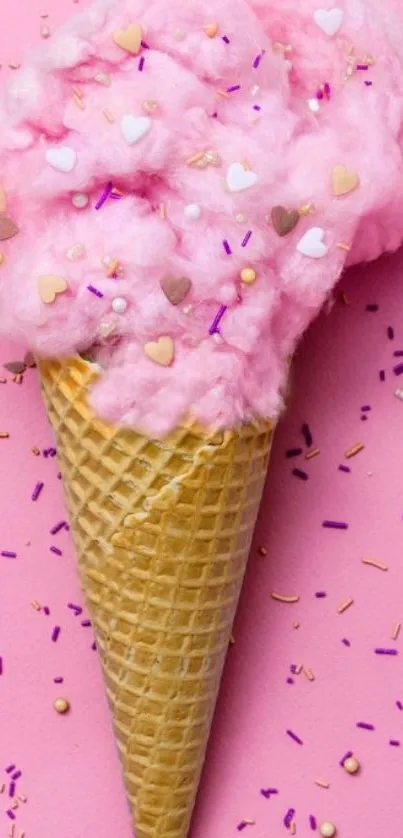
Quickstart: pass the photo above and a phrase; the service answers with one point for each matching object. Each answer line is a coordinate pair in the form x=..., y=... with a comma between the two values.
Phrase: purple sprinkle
x=312, y=822
x=335, y=525
x=368, y=83
x=346, y=641
x=246, y=238
x=214, y=115
x=365, y=726
x=57, y=527
x=306, y=433
x=94, y=647
x=382, y=375
x=398, y=370
x=227, y=247
x=257, y=60
x=361, y=67
x=16, y=775
x=257, y=108
x=11, y=790
x=267, y=792
x=399, y=705
x=58, y=679
x=9, y=769
x=346, y=756
x=46, y=610
x=241, y=826
x=327, y=89
x=398, y=353
x=364, y=418
x=320, y=594
x=10, y=814
x=386, y=651
x=220, y=314
x=319, y=94
x=95, y=291
x=1, y=666
x=141, y=64
x=390, y=332
x=372, y=307
x=367, y=407
x=297, y=472
x=293, y=452
x=394, y=742
x=104, y=197
x=55, y=550
x=290, y=680
x=37, y=491
x=226, y=39
x=59, y=475
x=76, y=608
x=294, y=737
x=288, y=818
x=86, y=623
x=233, y=88
x=8, y=554
x=144, y=45
x=55, y=633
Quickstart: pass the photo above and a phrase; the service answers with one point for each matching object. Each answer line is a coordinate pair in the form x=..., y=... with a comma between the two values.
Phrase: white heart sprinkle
x=312, y=244
x=313, y=105
x=134, y=128
x=63, y=158
x=329, y=21
x=239, y=178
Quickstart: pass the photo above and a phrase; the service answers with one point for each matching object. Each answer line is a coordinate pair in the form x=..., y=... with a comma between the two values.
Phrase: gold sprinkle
x=15, y=805
x=2, y=787
x=245, y=165
x=22, y=797
x=113, y=268
x=322, y=784
x=369, y=59
x=2, y=258
x=343, y=246
x=307, y=209
x=18, y=379
x=298, y=669
x=344, y=298
x=249, y=822
x=78, y=92
x=262, y=551
x=344, y=605
x=279, y=47
x=355, y=449
x=313, y=453
x=108, y=115
x=150, y=105
x=224, y=94
x=396, y=631
x=11, y=830
x=296, y=625
x=4, y=435
x=293, y=828
x=282, y=598
x=36, y=451
x=196, y=158
x=35, y=604
x=79, y=102
x=61, y=705
x=162, y=211
x=308, y=672
x=232, y=640
x=375, y=563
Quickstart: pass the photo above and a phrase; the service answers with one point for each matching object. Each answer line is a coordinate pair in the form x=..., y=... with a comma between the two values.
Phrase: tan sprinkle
x=283, y=598
x=298, y=669
x=307, y=209
x=313, y=453
x=15, y=805
x=108, y=115
x=224, y=94
x=355, y=449
x=322, y=784
x=344, y=605
x=296, y=625
x=375, y=563
x=262, y=551
x=2, y=787
x=79, y=102
x=2, y=258
x=113, y=268
x=18, y=379
x=343, y=246
x=396, y=631
x=344, y=298
x=162, y=211
x=11, y=830
x=249, y=822
x=196, y=158
x=308, y=672
x=61, y=705
x=22, y=797
x=150, y=105
x=35, y=604
x=4, y=435
x=293, y=828
x=35, y=451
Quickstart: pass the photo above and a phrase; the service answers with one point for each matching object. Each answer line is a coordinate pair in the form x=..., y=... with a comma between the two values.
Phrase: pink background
x=70, y=772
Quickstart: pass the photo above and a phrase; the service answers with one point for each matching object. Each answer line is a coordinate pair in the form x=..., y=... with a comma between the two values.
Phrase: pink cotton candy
x=81, y=116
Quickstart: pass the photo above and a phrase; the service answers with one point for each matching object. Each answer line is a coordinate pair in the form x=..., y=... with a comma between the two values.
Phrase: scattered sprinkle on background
x=320, y=680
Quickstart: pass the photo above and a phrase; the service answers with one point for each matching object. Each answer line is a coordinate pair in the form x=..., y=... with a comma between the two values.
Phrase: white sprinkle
x=192, y=212
x=255, y=90
x=80, y=200
x=399, y=393
x=103, y=78
x=313, y=105
x=119, y=305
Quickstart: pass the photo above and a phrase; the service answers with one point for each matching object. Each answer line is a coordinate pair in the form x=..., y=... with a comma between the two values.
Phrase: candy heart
x=129, y=39
x=3, y=200
x=7, y=228
x=329, y=21
x=49, y=285
x=160, y=351
x=312, y=244
x=239, y=178
x=134, y=128
x=175, y=288
x=63, y=158
x=343, y=180
x=284, y=220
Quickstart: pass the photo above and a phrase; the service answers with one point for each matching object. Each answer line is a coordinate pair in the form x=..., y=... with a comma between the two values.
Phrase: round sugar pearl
x=61, y=705
x=327, y=830
x=351, y=765
x=119, y=305
x=79, y=200
x=192, y=212
x=248, y=276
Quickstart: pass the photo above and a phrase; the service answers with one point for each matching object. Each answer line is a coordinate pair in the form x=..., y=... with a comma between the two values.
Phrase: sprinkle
x=8, y=554
x=55, y=550
x=9, y=769
x=382, y=375
x=220, y=313
x=294, y=737
x=234, y=88
x=345, y=641
x=162, y=211
x=11, y=790
x=288, y=818
x=244, y=823
x=227, y=247
x=394, y=742
x=256, y=107
x=226, y=39
x=61, y=705
x=344, y=468
x=322, y=784
x=13, y=65
x=196, y=158
x=311, y=454
x=78, y=101
x=246, y=238
x=346, y=756
x=37, y=490
x=398, y=370
x=104, y=197
x=1, y=666
x=306, y=433
x=335, y=525
x=283, y=598
x=344, y=605
x=46, y=610
x=77, y=608
x=267, y=792
x=293, y=452
x=55, y=633
x=23, y=800
x=361, y=67
x=365, y=726
x=320, y=594
x=211, y=29
x=58, y=680
x=396, y=631
x=312, y=822
x=368, y=83
x=355, y=449
x=35, y=604
x=290, y=680
x=308, y=673
x=10, y=815
x=296, y=625
x=95, y=291
x=390, y=332
x=386, y=652
x=372, y=307
x=399, y=705
x=343, y=246
x=4, y=435
x=86, y=623
x=262, y=551
x=297, y=472
x=293, y=828
x=2, y=788
x=375, y=563
x=108, y=115
x=141, y=64
x=257, y=60
x=11, y=831
x=59, y=526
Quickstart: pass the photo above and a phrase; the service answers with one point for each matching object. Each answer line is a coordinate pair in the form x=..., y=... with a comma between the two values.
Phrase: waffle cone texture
x=162, y=531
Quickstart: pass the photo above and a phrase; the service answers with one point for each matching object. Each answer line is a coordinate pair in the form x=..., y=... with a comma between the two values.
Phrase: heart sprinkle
x=239, y=178
x=7, y=228
x=61, y=158
x=312, y=244
x=49, y=286
x=3, y=200
x=343, y=181
x=160, y=351
x=284, y=220
x=129, y=39
x=329, y=21
x=175, y=288
x=134, y=128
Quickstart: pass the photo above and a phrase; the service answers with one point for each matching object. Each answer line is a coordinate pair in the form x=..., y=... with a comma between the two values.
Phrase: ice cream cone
x=162, y=531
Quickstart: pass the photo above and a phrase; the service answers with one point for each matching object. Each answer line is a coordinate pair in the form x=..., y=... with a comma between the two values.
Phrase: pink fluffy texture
x=238, y=373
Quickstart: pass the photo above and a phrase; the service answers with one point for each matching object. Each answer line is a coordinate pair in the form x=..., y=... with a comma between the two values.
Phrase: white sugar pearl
x=192, y=212
x=313, y=105
x=327, y=830
x=119, y=305
x=80, y=200
x=75, y=252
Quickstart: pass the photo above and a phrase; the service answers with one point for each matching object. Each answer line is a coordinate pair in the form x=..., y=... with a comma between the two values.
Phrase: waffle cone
x=162, y=531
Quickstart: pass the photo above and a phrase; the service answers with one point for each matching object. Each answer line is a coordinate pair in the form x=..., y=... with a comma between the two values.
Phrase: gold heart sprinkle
x=129, y=39
x=49, y=286
x=160, y=351
x=3, y=200
x=343, y=181
x=7, y=228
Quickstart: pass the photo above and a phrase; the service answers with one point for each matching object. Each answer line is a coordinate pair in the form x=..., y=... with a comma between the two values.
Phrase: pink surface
x=70, y=770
